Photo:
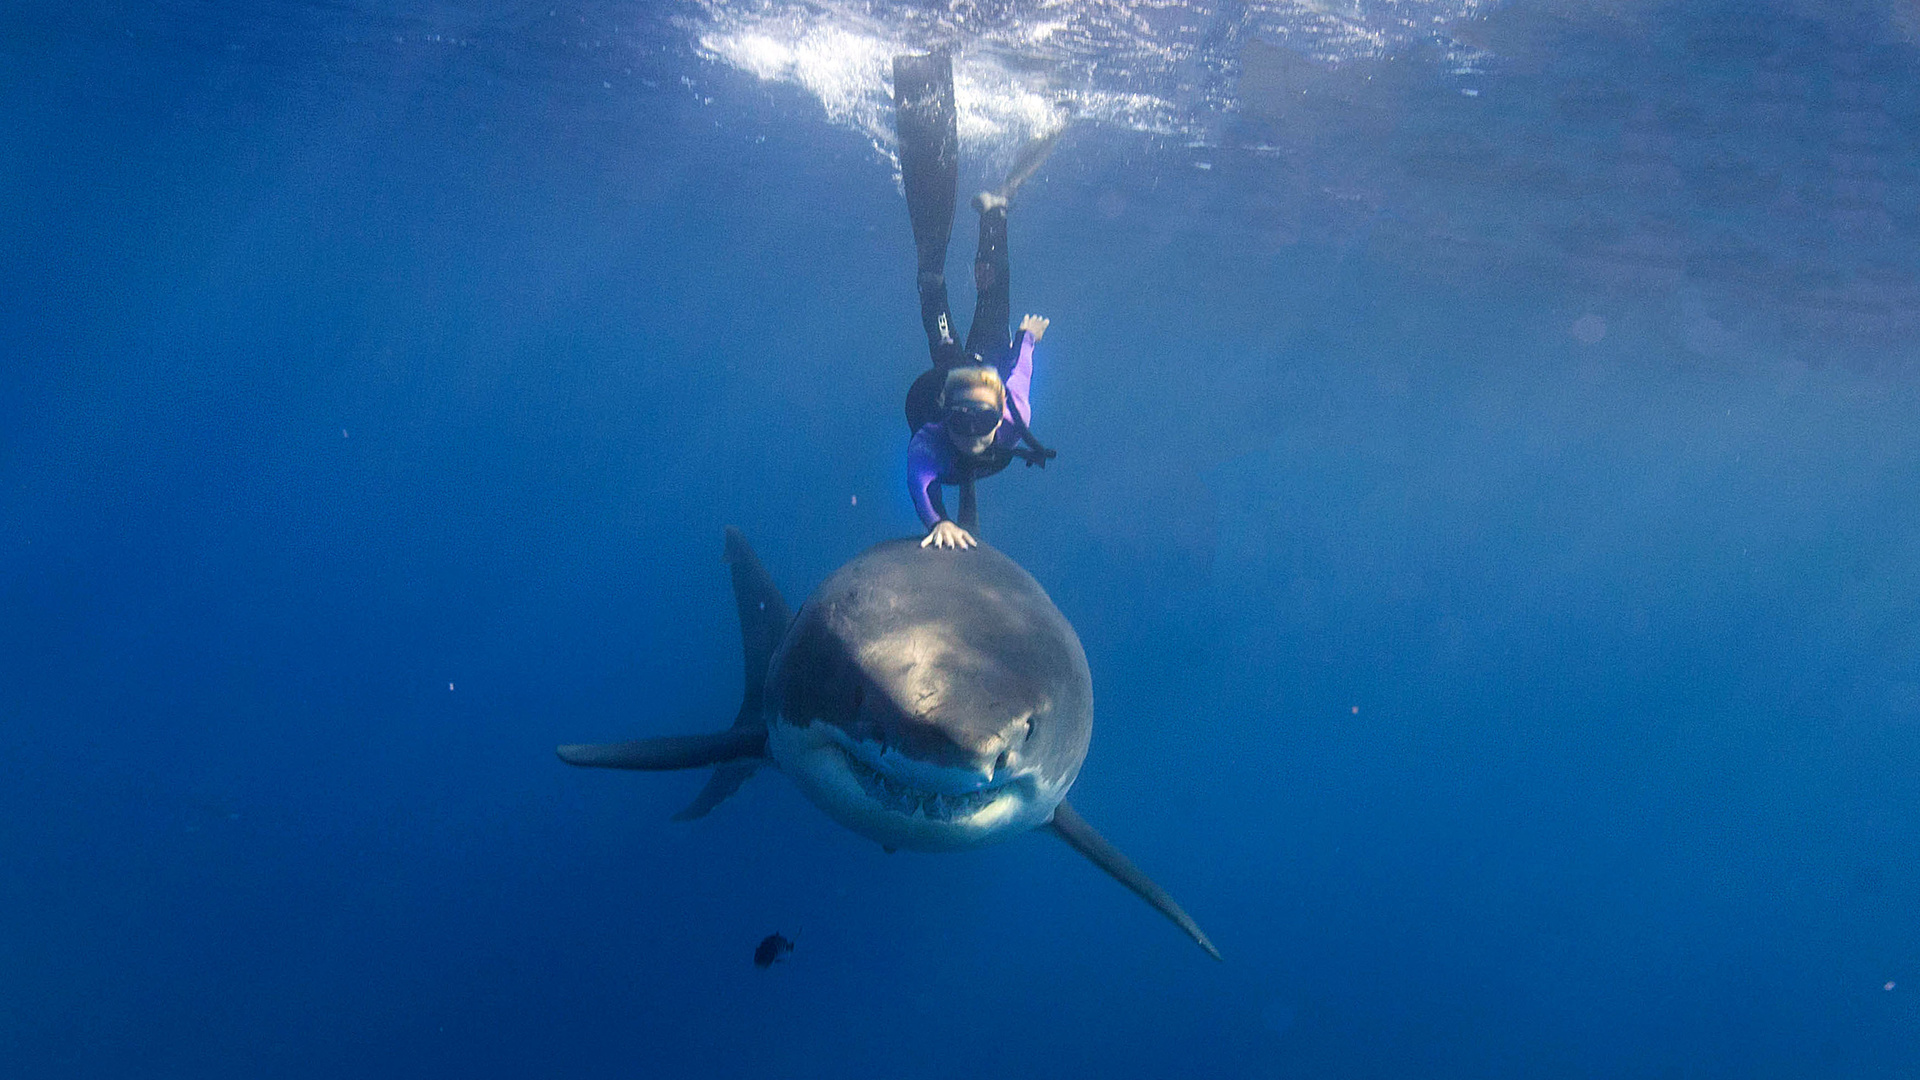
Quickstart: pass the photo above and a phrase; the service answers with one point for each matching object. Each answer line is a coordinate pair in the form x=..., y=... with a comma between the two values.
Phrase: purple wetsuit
x=932, y=459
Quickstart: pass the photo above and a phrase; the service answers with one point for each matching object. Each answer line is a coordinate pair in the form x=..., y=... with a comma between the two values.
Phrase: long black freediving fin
x=740, y=749
x=926, y=125
x=1071, y=827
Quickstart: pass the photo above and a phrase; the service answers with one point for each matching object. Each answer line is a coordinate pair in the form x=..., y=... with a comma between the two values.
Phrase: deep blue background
x=371, y=407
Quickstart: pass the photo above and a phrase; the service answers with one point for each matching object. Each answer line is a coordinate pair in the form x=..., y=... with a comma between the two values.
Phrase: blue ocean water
x=1485, y=495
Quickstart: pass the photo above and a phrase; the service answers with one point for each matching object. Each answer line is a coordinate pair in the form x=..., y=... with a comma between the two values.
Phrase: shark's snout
x=969, y=718
x=1002, y=753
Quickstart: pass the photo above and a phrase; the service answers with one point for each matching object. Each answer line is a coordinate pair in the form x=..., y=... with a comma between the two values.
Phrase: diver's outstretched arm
x=923, y=478
x=923, y=484
x=1018, y=376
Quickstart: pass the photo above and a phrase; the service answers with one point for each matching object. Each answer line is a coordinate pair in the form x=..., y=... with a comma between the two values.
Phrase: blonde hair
x=971, y=375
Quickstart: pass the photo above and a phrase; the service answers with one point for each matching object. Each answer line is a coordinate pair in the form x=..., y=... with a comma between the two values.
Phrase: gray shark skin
x=927, y=699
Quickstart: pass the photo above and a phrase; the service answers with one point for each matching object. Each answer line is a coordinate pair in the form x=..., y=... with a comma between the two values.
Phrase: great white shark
x=932, y=700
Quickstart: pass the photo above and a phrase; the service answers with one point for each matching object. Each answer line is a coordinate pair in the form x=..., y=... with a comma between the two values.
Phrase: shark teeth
x=901, y=799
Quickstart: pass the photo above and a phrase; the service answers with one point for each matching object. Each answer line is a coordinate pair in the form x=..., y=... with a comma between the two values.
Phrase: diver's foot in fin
x=1027, y=162
x=988, y=201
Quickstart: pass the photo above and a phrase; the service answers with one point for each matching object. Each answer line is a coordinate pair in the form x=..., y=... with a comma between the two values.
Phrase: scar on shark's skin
x=993, y=759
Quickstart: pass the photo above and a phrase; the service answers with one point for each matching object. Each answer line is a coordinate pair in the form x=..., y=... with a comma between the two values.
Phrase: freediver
x=968, y=414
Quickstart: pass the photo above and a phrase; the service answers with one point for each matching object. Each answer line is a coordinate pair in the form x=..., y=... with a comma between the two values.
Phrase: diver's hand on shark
x=948, y=535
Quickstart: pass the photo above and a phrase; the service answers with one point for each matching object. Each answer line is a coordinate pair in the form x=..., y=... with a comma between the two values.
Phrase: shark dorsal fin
x=736, y=752
x=763, y=622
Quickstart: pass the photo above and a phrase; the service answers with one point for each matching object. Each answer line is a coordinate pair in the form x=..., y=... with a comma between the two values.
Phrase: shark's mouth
x=900, y=798
x=906, y=802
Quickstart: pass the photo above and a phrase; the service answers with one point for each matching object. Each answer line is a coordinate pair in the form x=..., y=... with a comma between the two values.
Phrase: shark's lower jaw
x=897, y=813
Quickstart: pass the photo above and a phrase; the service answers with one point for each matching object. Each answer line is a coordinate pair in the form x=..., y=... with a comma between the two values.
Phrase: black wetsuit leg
x=992, y=329
x=928, y=129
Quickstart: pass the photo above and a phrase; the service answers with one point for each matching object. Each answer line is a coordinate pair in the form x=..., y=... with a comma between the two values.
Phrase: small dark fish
x=772, y=948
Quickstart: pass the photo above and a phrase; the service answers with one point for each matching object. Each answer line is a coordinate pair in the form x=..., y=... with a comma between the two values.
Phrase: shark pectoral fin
x=724, y=782
x=1073, y=828
x=671, y=752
